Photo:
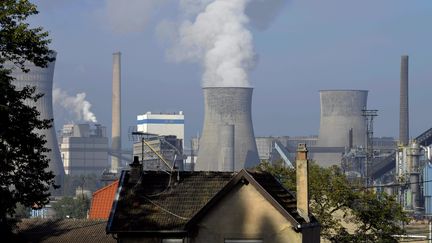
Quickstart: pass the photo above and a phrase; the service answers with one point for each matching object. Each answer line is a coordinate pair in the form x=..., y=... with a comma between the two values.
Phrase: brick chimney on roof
x=135, y=170
x=302, y=170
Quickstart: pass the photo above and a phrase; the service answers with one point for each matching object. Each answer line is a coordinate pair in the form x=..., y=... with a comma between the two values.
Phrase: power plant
x=228, y=131
x=341, y=113
x=42, y=79
x=341, y=123
x=116, y=113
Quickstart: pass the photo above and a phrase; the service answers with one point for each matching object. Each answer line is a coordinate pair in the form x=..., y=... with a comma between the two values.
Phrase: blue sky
x=310, y=45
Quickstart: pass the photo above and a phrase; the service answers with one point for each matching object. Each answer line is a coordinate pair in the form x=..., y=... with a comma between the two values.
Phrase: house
x=102, y=201
x=232, y=207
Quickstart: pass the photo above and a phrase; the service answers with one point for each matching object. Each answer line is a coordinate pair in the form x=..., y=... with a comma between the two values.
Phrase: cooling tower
x=227, y=111
x=116, y=112
x=341, y=111
x=404, y=112
x=42, y=79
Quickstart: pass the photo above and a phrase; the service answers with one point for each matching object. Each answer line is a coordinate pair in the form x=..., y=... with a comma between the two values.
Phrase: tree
x=335, y=201
x=23, y=175
x=69, y=207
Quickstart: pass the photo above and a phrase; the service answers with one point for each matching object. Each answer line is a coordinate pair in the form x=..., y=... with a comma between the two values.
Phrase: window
x=172, y=240
x=243, y=241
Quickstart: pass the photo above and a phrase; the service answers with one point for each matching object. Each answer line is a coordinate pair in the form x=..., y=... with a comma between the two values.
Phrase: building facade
x=162, y=124
x=84, y=149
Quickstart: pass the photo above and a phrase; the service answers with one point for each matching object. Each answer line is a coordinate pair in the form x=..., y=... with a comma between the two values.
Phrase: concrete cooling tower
x=42, y=79
x=227, y=142
x=341, y=121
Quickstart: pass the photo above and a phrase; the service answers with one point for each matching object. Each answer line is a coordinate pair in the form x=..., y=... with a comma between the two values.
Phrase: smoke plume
x=219, y=39
x=77, y=105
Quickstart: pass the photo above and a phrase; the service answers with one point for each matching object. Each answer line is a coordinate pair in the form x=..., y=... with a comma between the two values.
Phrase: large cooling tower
x=116, y=112
x=404, y=108
x=42, y=79
x=341, y=111
x=227, y=112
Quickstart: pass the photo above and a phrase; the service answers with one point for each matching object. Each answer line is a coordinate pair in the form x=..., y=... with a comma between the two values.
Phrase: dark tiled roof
x=65, y=230
x=160, y=204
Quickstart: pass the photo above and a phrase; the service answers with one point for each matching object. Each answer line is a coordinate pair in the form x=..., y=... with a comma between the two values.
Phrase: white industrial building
x=84, y=149
x=163, y=124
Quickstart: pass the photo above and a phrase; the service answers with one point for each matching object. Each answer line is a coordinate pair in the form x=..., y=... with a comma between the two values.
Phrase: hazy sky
x=301, y=47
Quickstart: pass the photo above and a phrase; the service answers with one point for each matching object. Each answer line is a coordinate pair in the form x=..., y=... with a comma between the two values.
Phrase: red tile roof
x=102, y=201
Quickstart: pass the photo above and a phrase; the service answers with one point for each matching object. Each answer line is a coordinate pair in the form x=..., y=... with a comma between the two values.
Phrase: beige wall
x=245, y=213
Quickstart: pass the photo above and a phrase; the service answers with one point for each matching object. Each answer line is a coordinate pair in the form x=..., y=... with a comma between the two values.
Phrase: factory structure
x=227, y=142
x=162, y=124
x=398, y=166
x=116, y=158
x=159, y=141
x=84, y=149
x=42, y=80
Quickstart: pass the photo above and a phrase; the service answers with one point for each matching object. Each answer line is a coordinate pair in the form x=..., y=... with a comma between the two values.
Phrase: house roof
x=102, y=201
x=159, y=203
x=65, y=230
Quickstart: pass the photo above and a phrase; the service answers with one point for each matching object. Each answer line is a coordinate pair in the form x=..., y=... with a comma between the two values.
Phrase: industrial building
x=341, y=123
x=159, y=152
x=84, y=149
x=227, y=142
x=42, y=80
x=162, y=124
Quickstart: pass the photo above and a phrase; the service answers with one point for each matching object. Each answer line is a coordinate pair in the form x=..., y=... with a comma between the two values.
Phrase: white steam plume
x=76, y=104
x=220, y=40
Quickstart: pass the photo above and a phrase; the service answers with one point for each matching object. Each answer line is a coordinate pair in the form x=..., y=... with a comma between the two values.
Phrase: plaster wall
x=245, y=214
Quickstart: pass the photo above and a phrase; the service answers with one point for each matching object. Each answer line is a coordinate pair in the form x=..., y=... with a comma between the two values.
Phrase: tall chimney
x=404, y=108
x=116, y=112
x=302, y=169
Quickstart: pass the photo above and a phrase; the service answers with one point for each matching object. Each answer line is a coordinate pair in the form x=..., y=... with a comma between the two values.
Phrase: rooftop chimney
x=302, y=168
x=404, y=107
x=135, y=170
x=116, y=112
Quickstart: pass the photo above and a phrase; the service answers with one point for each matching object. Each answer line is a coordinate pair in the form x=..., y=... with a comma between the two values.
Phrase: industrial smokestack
x=227, y=106
x=404, y=106
x=42, y=79
x=116, y=112
x=342, y=123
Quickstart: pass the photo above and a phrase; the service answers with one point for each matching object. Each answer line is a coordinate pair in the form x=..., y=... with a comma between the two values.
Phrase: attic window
x=172, y=240
x=243, y=241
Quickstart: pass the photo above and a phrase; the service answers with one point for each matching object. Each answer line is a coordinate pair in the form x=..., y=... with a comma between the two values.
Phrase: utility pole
x=369, y=119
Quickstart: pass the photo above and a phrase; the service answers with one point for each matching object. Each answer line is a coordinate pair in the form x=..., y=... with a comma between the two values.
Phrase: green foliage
x=23, y=178
x=336, y=201
x=69, y=207
x=21, y=211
